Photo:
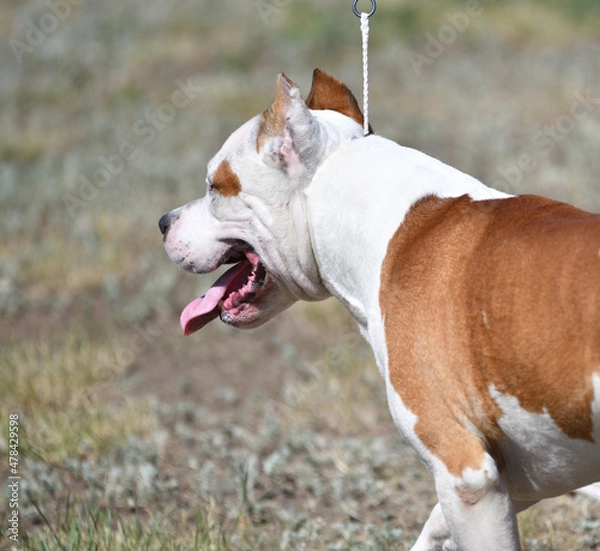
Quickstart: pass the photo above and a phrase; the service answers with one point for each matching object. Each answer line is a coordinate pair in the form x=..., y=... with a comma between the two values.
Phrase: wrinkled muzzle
x=244, y=296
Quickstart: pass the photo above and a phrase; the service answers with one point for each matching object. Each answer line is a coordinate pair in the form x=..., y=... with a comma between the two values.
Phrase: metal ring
x=358, y=14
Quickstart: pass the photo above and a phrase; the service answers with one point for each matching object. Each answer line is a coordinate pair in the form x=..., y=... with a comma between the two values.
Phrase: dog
x=482, y=308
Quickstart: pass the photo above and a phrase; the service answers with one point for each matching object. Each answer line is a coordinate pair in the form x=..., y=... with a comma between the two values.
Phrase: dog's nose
x=164, y=223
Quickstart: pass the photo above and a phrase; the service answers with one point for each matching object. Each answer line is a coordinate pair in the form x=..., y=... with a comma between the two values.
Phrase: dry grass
x=56, y=388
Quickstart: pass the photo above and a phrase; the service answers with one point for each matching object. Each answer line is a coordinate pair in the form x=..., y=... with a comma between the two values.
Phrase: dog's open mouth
x=228, y=296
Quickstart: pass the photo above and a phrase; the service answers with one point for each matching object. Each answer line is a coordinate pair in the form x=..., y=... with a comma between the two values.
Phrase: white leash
x=364, y=28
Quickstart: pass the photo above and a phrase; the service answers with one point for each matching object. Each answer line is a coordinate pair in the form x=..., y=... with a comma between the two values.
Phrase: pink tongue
x=204, y=309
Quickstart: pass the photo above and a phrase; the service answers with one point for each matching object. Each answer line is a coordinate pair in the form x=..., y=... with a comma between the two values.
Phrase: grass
x=104, y=528
x=132, y=437
x=51, y=385
x=549, y=526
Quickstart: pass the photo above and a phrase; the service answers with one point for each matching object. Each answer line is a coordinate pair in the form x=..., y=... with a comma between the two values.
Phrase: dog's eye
x=209, y=185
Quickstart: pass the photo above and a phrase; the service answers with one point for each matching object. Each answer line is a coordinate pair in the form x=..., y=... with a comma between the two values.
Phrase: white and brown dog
x=482, y=309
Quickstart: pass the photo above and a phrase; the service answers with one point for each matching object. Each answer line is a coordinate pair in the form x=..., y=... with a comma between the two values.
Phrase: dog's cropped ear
x=287, y=132
x=329, y=93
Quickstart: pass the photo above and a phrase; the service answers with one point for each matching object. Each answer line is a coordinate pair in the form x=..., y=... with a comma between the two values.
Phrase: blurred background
x=133, y=437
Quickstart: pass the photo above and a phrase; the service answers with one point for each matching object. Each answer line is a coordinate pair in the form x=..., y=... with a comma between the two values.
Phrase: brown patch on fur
x=274, y=119
x=499, y=292
x=225, y=181
x=330, y=93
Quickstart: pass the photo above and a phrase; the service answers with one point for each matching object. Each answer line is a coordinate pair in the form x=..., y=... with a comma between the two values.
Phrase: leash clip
x=358, y=14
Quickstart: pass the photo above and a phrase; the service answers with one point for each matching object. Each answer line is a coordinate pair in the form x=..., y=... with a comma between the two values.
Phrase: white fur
x=541, y=460
x=370, y=185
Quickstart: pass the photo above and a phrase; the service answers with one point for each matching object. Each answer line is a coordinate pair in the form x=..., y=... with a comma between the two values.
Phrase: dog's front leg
x=435, y=535
x=475, y=512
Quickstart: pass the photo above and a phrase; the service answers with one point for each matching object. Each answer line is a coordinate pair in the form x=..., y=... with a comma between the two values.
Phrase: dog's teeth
x=257, y=284
x=226, y=318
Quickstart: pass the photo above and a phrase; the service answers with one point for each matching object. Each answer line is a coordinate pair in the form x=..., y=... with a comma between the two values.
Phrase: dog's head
x=253, y=214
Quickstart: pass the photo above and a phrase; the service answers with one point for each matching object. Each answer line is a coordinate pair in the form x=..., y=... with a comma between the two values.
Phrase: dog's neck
x=350, y=246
